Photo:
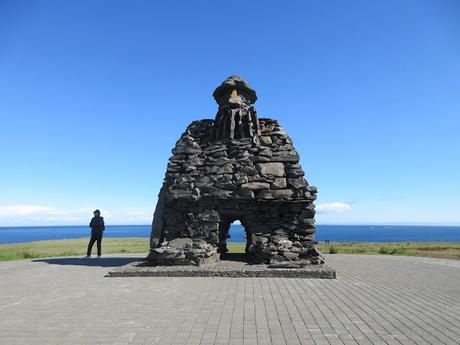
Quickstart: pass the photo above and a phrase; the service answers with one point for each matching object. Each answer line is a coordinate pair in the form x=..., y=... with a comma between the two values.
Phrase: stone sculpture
x=236, y=167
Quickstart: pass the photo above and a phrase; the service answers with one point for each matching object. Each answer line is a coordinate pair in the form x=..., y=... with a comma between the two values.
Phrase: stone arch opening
x=224, y=234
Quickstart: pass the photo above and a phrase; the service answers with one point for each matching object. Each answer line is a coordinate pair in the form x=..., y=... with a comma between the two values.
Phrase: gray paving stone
x=374, y=300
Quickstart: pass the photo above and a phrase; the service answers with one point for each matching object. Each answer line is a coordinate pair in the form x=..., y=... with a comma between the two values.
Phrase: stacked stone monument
x=236, y=167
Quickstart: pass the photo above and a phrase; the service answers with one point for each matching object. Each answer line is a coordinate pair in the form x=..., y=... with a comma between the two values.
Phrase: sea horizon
x=329, y=232
x=317, y=224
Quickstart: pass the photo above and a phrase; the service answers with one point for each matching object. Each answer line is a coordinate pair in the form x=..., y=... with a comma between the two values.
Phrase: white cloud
x=11, y=215
x=333, y=207
x=16, y=215
x=22, y=210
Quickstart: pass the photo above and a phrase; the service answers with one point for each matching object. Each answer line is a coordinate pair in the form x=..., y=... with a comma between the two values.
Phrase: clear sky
x=94, y=95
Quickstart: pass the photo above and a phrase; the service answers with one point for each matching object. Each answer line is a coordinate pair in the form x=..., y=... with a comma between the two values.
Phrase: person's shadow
x=102, y=262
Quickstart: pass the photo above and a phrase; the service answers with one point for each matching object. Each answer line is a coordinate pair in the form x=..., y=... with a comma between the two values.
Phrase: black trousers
x=95, y=238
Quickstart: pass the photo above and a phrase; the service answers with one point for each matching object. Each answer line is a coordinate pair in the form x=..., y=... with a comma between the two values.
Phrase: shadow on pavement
x=103, y=262
x=241, y=257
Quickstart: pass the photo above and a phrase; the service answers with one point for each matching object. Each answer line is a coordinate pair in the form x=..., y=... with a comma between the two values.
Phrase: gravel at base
x=232, y=269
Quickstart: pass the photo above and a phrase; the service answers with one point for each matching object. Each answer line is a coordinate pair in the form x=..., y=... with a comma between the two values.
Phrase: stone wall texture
x=236, y=167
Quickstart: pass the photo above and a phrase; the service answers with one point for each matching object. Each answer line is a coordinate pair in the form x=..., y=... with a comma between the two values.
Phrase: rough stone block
x=297, y=183
x=279, y=183
x=275, y=194
x=255, y=186
x=274, y=169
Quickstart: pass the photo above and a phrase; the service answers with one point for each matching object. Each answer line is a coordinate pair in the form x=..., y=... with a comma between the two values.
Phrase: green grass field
x=75, y=247
x=42, y=249
x=448, y=250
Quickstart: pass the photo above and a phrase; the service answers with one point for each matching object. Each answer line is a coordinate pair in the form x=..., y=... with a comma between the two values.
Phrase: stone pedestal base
x=184, y=251
x=224, y=268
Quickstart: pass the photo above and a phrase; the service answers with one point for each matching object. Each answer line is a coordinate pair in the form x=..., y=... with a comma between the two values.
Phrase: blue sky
x=94, y=95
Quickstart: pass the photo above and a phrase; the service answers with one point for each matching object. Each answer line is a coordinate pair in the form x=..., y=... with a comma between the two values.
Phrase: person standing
x=97, y=229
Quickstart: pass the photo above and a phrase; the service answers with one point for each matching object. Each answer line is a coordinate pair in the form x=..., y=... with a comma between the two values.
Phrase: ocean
x=335, y=233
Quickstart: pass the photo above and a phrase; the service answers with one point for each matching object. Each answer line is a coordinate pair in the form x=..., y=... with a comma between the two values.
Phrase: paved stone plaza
x=374, y=300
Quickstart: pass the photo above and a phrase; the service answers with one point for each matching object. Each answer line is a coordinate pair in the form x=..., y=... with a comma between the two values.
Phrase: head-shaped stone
x=235, y=118
x=234, y=90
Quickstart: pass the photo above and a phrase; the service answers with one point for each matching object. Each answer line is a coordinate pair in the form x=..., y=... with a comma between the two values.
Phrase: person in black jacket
x=97, y=229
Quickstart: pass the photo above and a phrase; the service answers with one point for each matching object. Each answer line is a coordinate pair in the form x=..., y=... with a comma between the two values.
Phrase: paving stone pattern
x=374, y=300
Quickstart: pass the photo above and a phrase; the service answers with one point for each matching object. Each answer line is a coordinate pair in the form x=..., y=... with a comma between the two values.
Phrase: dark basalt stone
x=237, y=167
